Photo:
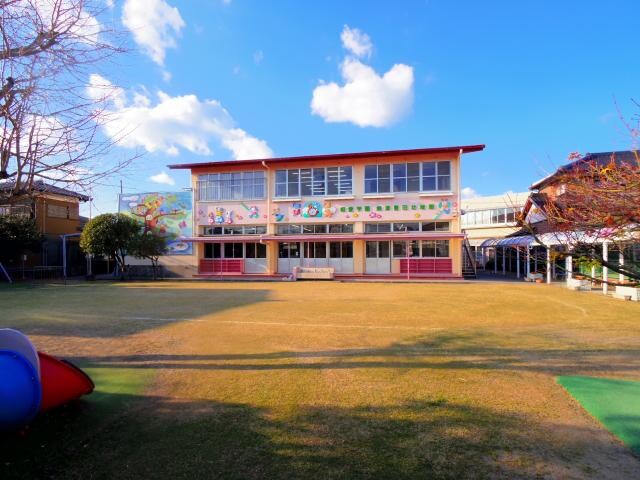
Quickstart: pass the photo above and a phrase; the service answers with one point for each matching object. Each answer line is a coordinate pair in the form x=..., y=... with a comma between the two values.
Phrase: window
x=314, y=228
x=212, y=250
x=495, y=216
x=255, y=250
x=377, y=249
x=339, y=181
x=289, y=250
x=408, y=177
x=235, y=230
x=435, y=226
x=341, y=249
x=377, y=228
x=232, y=186
x=57, y=211
x=377, y=178
x=435, y=248
x=341, y=228
x=400, y=248
x=315, y=250
x=406, y=227
x=436, y=176
x=233, y=250
x=17, y=210
x=255, y=229
x=314, y=182
x=288, y=229
x=400, y=227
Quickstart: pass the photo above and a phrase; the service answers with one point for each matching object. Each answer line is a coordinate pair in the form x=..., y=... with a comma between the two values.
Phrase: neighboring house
x=548, y=189
x=489, y=218
x=388, y=214
x=56, y=212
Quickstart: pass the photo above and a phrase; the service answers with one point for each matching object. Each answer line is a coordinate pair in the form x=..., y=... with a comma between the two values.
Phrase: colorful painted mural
x=165, y=213
x=310, y=211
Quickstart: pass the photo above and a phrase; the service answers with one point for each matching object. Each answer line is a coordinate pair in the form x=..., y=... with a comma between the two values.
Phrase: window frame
x=230, y=186
x=402, y=177
x=313, y=182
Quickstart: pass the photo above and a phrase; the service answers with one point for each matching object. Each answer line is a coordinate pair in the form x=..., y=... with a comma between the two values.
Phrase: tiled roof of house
x=629, y=157
x=41, y=187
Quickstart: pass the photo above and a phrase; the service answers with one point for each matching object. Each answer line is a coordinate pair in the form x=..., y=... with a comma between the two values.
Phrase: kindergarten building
x=371, y=214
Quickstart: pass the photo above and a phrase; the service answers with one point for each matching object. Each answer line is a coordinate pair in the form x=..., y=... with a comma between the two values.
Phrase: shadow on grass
x=89, y=310
x=437, y=351
x=127, y=436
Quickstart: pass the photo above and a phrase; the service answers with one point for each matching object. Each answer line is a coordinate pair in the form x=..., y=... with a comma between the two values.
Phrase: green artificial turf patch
x=615, y=403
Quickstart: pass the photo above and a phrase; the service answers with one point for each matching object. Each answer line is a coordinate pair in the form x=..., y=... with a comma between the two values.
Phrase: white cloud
x=163, y=178
x=356, y=42
x=468, y=192
x=166, y=76
x=366, y=98
x=154, y=24
x=170, y=124
x=258, y=57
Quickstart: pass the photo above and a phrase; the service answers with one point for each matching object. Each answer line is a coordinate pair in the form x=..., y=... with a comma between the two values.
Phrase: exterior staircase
x=468, y=261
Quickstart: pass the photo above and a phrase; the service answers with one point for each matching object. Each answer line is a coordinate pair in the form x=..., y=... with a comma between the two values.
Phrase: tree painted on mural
x=596, y=202
x=160, y=214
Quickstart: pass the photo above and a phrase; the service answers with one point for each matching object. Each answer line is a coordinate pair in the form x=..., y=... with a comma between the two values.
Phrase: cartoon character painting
x=296, y=209
x=328, y=211
x=228, y=217
x=445, y=208
x=254, y=212
x=219, y=215
x=312, y=209
x=277, y=215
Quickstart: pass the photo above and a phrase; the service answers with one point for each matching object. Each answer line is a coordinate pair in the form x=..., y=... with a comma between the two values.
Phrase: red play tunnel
x=61, y=382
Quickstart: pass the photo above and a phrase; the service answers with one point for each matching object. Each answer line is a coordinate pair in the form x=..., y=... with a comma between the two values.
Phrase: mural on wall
x=310, y=211
x=164, y=213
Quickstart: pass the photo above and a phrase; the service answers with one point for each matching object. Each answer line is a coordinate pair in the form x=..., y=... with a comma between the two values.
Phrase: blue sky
x=532, y=80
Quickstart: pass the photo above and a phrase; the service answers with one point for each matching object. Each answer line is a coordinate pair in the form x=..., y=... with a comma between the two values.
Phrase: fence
x=33, y=274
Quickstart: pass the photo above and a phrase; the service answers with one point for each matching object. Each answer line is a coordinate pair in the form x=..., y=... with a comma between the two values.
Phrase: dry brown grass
x=330, y=380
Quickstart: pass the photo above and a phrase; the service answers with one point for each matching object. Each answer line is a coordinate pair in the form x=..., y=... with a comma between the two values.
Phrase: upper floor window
x=232, y=186
x=60, y=211
x=436, y=176
x=408, y=177
x=491, y=216
x=309, y=182
x=18, y=210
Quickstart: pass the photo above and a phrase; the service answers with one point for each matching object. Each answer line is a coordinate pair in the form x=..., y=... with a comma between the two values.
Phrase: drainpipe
x=268, y=193
x=460, y=207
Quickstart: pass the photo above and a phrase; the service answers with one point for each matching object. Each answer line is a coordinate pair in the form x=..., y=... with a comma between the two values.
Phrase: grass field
x=324, y=380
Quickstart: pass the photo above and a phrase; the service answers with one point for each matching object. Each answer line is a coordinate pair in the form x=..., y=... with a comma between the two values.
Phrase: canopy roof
x=559, y=238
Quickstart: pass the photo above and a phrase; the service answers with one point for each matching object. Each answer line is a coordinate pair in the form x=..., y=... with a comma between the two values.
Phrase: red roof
x=334, y=156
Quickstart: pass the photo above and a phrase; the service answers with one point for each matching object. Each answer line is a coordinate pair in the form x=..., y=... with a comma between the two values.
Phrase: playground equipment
x=32, y=381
